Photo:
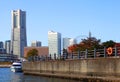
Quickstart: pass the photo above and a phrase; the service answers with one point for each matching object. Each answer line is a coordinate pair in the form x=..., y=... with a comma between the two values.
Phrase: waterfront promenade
x=94, y=69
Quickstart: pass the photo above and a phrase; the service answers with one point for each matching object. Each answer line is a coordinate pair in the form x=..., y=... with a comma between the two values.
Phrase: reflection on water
x=7, y=76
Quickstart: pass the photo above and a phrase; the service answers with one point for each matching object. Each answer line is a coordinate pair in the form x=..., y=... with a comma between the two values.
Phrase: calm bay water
x=7, y=76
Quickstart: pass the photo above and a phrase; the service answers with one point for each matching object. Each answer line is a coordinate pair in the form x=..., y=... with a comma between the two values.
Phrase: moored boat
x=16, y=67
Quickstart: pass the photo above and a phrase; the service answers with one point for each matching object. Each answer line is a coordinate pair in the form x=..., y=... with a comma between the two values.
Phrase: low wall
x=101, y=68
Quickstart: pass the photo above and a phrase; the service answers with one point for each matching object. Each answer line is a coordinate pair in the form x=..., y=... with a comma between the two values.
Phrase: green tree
x=31, y=53
x=89, y=43
x=109, y=43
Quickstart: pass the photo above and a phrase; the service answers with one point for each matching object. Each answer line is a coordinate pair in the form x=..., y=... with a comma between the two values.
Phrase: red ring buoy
x=109, y=50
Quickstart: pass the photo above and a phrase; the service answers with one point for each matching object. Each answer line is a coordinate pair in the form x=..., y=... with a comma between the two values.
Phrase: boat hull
x=16, y=67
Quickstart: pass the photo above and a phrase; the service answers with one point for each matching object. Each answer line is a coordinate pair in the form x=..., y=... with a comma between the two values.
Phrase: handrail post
x=104, y=52
x=54, y=56
x=94, y=52
x=86, y=52
x=60, y=56
x=50, y=57
x=72, y=55
x=115, y=51
x=79, y=54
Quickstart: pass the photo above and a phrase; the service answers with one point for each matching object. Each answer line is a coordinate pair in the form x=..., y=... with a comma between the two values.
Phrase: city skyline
x=71, y=18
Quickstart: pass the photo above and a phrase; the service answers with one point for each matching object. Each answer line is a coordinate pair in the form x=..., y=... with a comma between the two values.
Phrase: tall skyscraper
x=36, y=44
x=67, y=42
x=18, y=39
x=54, y=43
x=7, y=46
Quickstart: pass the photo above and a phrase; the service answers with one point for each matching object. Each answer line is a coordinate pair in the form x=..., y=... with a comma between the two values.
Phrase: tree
x=31, y=53
x=72, y=48
x=89, y=43
x=109, y=43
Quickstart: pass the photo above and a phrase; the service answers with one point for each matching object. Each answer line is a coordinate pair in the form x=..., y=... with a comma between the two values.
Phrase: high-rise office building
x=72, y=41
x=1, y=44
x=36, y=44
x=67, y=42
x=7, y=46
x=2, y=50
x=54, y=43
x=18, y=39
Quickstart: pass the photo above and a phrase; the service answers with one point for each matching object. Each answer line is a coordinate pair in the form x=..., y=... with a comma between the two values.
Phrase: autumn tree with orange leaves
x=89, y=43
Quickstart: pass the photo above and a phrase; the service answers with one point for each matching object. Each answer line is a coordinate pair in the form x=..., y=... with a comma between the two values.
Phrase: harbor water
x=6, y=75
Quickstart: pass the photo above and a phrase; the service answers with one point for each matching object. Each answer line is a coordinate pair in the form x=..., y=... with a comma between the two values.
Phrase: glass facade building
x=1, y=44
x=54, y=43
x=68, y=42
x=18, y=39
x=36, y=44
x=7, y=46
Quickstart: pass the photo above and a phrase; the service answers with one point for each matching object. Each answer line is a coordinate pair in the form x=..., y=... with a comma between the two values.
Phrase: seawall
x=99, y=68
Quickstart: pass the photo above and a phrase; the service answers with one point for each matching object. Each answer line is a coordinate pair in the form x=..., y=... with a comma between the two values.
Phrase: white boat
x=16, y=67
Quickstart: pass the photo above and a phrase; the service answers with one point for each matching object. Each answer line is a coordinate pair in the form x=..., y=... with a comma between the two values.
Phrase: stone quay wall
x=100, y=68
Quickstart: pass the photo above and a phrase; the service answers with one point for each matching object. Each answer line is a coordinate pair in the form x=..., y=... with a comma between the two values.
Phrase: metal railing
x=87, y=54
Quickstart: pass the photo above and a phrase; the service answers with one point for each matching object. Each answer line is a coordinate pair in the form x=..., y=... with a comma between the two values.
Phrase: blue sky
x=71, y=18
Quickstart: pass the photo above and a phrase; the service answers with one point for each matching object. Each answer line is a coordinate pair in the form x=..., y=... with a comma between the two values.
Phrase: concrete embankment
x=96, y=69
